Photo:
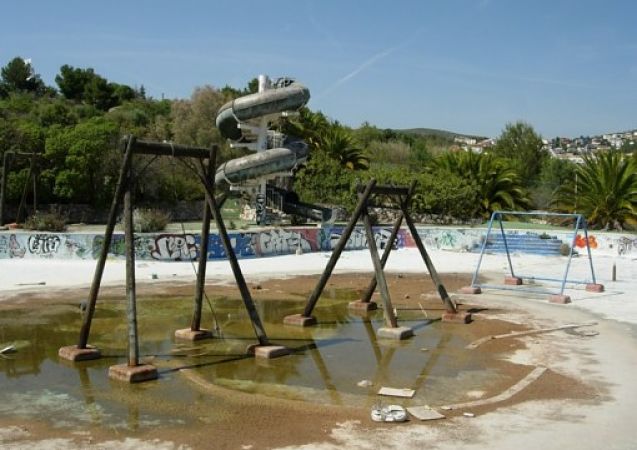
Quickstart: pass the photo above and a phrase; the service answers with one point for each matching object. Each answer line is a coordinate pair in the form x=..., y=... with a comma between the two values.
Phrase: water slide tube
x=253, y=107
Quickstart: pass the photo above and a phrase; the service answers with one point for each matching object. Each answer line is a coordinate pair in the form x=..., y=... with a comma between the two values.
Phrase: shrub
x=150, y=220
x=565, y=250
x=50, y=221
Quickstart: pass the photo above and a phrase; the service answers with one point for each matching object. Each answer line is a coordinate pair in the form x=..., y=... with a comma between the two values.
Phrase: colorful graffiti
x=276, y=241
x=329, y=237
x=580, y=241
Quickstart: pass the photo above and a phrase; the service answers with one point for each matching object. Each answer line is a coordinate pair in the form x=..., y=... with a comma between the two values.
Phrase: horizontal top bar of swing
x=168, y=149
x=557, y=280
x=520, y=289
x=536, y=213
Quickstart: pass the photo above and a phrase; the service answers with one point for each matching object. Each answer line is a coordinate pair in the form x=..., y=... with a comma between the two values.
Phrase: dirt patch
x=257, y=421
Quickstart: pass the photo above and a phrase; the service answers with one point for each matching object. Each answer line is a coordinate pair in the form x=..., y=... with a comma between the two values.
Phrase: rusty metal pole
x=442, y=292
x=6, y=162
x=259, y=330
x=390, y=317
x=195, y=325
x=367, y=296
x=131, y=304
x=336, y=253
x=121, y=187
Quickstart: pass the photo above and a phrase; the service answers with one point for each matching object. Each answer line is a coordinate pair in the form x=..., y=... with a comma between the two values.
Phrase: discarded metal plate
x=424, y=413
x=394, y=392
x=8, y=349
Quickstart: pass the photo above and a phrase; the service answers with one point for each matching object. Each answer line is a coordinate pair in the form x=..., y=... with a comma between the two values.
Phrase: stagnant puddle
x=327, y=365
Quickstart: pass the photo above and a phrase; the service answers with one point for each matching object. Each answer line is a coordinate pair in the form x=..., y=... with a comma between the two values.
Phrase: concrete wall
x=470, y=239
x=276, y=241
x=185, y=247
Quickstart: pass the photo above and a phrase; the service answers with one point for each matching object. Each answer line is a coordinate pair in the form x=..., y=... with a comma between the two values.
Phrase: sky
x=568, y=68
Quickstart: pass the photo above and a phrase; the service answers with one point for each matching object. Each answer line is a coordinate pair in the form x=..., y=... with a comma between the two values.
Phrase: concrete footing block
x=360, y=305
x=299, y=320
x=512, y=281
x=559, y=299
x=133, y=374
x=268, y=351
x=458, y=317
x=398, y=333
x=470, y=290
x=595, y=287
x=193, y=335
x=73, y=353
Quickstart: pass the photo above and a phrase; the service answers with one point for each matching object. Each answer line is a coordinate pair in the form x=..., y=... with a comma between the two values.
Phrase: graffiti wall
x=187, y=247
x=276, y=241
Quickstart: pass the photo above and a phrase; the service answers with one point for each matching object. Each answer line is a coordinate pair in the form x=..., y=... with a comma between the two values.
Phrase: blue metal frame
x=580, y=223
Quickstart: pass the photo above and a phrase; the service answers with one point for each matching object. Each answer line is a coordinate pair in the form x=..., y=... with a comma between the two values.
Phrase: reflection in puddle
x=327, y=364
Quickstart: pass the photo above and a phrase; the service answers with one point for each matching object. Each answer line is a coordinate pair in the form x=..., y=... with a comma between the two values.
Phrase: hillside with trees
x=76, y=125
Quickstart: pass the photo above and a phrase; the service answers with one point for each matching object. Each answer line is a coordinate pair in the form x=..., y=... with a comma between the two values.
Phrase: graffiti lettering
x=44, y=244
x=175, y=247
x=625, y=245
x=277, y=242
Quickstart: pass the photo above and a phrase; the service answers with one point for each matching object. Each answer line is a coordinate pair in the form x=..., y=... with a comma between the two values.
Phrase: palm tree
x=323, y=135
x=498, y=184
x=338, y=143
x=605, y=191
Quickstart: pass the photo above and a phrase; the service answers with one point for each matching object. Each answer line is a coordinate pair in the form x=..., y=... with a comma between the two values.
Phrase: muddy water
x=326, y=366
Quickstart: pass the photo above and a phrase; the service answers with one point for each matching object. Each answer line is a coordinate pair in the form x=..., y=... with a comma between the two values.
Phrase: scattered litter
x=468, y=414
x=446, y=408
x=424, y=413
x=364, y=383
x=8, y=349
x=390, y=413
x=424, y=349
x=395, y=392
x=37, y=283
x=475, y=394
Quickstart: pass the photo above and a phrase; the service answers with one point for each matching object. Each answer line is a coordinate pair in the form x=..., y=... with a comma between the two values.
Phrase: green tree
x=605, y=191
x=498, y=184
x=19, y=76
x=554, y=173
x=323, y=180
x=72, y=81
x=83, y=161
x=521, y=144
x=193, y=120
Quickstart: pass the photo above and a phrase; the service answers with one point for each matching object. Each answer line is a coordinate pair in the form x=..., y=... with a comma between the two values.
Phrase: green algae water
x=338, y=362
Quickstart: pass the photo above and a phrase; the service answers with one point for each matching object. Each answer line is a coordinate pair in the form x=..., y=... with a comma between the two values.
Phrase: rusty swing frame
x=403, y=196
x=133, y=371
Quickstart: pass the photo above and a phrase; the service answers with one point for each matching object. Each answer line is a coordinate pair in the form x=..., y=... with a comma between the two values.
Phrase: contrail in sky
x=366, y=64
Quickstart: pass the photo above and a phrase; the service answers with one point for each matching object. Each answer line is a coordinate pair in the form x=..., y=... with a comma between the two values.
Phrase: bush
x=150, y=220
x=51, y=221
x=565, y=250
